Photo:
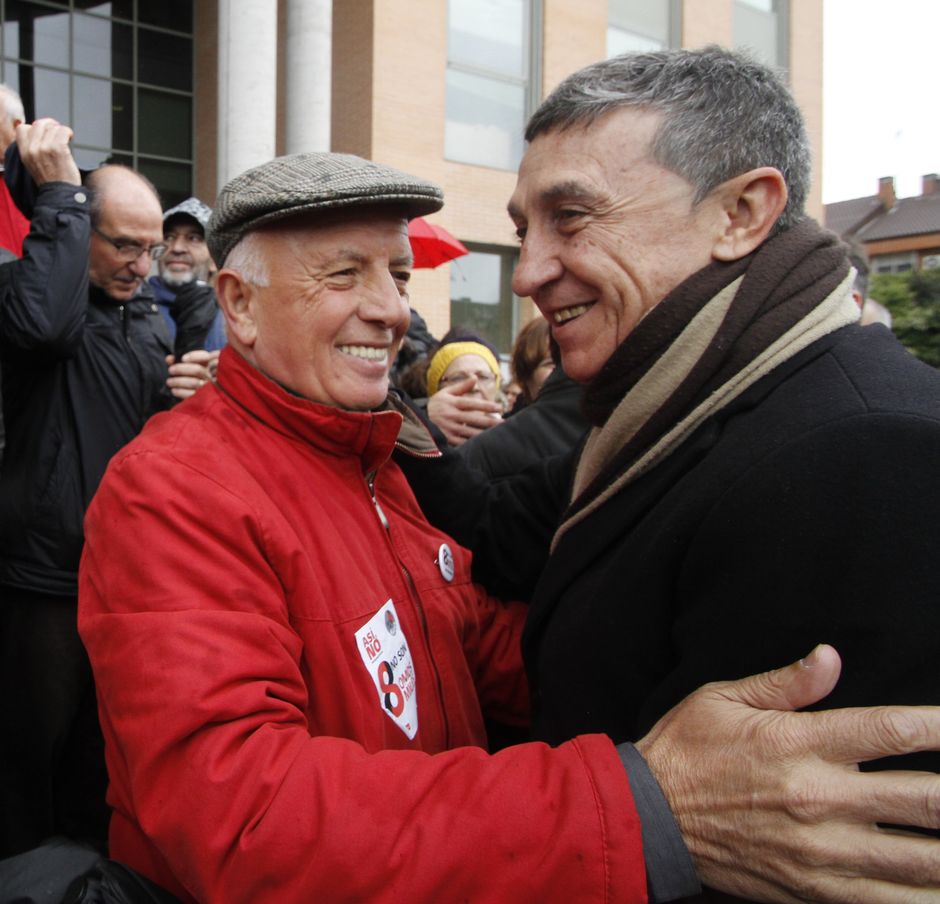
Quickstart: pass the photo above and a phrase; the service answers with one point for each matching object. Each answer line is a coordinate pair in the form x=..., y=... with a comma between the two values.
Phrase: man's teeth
x=570, y=313
x=370, y=353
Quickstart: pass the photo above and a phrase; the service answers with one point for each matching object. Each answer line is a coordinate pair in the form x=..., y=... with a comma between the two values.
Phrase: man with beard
x=183, y=288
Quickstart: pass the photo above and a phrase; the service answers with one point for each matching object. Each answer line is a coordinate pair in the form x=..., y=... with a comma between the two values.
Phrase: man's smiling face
x=329, y=321
x=607, y=233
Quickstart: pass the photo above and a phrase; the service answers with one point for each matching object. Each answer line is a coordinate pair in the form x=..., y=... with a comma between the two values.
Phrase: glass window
x=489, y=79
x=621, y=41
x=104, y=113
x=11, y=76
x=50, y=90
x=92, y=158
x=895, y=263
x=759, y=29
x=174, y=14
x=35, y=33
x=164, y=126
x=485, y=120
x=119, y=72
x=481, y=298
x=102, y=47
x=649, y=18
x=165, y=60
x=123, y=9
x=639, y=25
x=488, y=34
x=173, y=180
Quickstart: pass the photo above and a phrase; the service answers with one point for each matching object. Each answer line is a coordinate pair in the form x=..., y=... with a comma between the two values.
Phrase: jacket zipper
x=417, y=453
x=132, y=354
x=422, y=617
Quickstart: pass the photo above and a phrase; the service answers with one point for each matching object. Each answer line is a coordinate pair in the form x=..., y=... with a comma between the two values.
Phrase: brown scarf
x=710, y=338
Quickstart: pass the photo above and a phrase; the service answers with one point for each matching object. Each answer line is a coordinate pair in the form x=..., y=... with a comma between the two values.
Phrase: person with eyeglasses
x=465, y=370
x=87, y=359
x=183, y=284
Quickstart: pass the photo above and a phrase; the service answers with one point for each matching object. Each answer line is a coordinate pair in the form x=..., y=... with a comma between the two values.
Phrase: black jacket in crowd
x=550, y=425
x=81, y=375
x=803, y=512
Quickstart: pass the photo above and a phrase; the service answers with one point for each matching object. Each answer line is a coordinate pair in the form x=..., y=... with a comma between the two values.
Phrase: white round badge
x=445, y=561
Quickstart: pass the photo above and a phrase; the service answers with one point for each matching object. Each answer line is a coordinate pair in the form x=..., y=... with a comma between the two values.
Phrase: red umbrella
x=432, y=245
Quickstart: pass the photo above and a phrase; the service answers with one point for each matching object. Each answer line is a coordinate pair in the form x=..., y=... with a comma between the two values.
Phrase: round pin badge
x=445, y=561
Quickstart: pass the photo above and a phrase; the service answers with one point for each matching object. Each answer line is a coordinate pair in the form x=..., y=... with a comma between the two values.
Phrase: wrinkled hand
x=44, y=150
x=191, y=373
x=771, y=804
x=460, y=416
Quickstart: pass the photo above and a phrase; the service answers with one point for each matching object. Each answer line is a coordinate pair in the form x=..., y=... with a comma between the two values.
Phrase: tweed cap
x=300, y=183
x=191, y=207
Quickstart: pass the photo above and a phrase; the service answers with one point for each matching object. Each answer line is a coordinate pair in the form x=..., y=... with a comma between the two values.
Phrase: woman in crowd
x=531, y=361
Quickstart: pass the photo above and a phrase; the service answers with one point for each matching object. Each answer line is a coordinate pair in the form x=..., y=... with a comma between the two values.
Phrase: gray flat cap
x=191, y=207
x=299, y=183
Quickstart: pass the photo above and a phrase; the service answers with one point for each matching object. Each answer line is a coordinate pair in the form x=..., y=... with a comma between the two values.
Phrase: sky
x=881, y=74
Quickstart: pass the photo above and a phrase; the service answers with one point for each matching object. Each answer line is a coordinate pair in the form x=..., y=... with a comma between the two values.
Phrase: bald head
x=125, y=212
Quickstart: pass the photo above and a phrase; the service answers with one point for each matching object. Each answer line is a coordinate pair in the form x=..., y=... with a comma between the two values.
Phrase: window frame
x=530, y=81
x=89, y=150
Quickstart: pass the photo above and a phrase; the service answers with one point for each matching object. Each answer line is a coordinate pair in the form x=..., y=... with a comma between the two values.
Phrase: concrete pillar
x=309, y=66
x=247, y=85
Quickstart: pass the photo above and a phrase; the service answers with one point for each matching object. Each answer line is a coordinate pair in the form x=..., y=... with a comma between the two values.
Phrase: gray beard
x=177, y=279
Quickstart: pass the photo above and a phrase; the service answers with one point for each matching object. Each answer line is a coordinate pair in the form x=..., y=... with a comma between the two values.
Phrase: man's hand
x=772, y=805
x=461, y=416
x=44, y=150
x=191, y=373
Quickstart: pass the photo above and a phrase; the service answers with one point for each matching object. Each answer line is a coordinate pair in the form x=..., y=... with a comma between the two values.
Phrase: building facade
x=194, y=91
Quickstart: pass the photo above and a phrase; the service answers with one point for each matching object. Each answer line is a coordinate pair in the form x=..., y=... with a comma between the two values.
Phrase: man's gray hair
x=722, y=114
x=12, y=104
x=248, y=259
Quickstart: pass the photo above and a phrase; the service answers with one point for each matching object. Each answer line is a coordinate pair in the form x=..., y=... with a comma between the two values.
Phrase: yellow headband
x=447, y=353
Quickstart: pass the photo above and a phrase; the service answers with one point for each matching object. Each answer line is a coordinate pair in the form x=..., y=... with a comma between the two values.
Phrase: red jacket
x=234, y=565
x=14, y=227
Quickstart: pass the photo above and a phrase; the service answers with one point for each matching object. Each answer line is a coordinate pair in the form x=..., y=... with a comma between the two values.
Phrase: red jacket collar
x=369, y=435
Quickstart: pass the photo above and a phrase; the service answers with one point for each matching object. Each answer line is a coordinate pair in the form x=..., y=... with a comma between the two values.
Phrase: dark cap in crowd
x=303, y=183
x=193, y=208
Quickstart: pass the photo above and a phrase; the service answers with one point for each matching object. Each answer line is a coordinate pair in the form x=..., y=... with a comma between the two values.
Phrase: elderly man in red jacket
x=293, y=666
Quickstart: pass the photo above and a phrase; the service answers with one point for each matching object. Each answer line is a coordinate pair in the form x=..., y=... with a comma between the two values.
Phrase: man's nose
x=538, y=265
x=384, y=303
x=140, y=266
x=175, y=243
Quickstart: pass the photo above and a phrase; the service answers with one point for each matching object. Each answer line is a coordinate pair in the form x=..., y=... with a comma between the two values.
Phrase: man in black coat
x=761, y=475
x=85, y=363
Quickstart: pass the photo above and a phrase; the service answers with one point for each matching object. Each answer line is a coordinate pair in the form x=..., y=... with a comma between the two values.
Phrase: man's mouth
x=566, y=314
x=366, y=352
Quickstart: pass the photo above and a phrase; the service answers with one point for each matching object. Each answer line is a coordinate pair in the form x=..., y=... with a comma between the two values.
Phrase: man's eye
x=520, y=233
x=402, y=276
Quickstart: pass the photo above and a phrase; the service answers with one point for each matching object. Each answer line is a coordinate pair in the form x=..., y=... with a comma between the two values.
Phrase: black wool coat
x=804, y=512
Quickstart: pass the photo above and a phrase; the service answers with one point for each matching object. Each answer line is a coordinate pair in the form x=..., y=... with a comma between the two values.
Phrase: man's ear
x=751, y=204
x=235, y=297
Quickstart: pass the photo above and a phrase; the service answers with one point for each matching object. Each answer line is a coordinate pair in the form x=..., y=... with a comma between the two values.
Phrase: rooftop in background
x=884, y=216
